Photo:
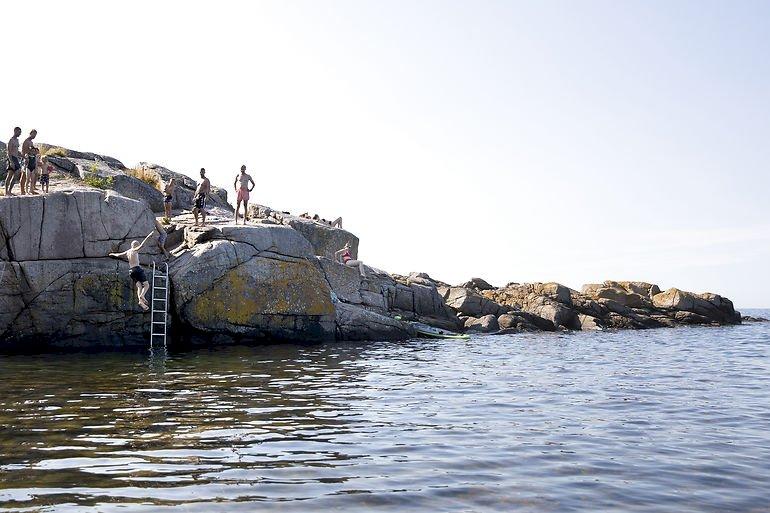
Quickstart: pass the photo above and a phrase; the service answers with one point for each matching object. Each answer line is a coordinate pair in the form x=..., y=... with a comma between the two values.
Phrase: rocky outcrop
x=324, y=239
x=711, y=307
x=57, y=285
x=485, y=324
x=252, y=283
x=273, y=280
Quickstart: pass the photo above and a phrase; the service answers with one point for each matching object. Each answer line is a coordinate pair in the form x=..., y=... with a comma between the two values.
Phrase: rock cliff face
x=272, y=280
x=56, y=284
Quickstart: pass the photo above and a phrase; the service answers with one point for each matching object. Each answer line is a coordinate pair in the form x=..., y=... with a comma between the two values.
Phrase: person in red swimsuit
x=344, y=256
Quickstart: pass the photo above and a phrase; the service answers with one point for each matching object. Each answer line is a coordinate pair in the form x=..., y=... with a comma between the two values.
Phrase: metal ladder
x=159, y=310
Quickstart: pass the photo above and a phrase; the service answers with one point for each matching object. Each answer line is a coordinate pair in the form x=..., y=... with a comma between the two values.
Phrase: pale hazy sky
x=516, y=141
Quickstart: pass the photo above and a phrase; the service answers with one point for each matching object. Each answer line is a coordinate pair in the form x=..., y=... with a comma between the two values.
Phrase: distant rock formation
x=612, y=304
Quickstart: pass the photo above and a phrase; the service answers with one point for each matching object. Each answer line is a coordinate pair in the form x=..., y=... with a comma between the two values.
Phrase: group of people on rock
x=25, y=165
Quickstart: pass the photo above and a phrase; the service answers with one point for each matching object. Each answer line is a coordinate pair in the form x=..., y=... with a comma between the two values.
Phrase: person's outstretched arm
x=118, y=255
x=145, y=240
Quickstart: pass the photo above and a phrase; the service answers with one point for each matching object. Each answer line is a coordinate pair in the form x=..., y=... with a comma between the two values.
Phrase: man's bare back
x=13, y=147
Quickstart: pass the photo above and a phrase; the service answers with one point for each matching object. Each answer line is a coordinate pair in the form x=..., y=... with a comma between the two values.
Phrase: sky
x=515, y=141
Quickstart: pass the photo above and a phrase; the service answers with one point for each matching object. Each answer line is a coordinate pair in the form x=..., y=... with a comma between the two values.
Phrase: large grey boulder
x=324, y=239
x=253, y=283
x=83, y=302
x=467, y=301
x=628, y=293
x=358, y=323
x=72, y=224
x=711, y=306
x=485, y=324
x=477, y=284
x=137, y=189
x=57, y=285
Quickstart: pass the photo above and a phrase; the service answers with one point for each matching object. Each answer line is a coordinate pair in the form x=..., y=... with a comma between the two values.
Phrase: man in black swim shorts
x=168, y=190
x=204, y=188
x=13, y=163
x=29, y=155
x=137, y=274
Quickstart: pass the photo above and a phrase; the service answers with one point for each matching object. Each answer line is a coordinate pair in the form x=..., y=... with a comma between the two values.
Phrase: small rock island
x=275, y=279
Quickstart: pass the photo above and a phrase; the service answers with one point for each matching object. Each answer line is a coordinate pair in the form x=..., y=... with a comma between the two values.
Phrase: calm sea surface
x=661, y=420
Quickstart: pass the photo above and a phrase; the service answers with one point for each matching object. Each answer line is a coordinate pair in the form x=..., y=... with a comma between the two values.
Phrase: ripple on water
x=663, y=420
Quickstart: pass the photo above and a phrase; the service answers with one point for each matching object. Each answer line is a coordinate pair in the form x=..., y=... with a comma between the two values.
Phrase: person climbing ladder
x=137, y=274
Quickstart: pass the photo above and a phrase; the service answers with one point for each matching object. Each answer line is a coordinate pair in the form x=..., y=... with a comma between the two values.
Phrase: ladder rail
x=155, y=312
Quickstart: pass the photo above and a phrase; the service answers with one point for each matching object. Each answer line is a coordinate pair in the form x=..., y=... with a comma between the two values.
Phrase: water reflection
x=535, y=423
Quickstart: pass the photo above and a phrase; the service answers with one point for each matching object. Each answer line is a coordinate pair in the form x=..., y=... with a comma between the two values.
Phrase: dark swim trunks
x=137, y=274
x=168, y=199
x=12, y=164
x=44, y=179
x=200, y=201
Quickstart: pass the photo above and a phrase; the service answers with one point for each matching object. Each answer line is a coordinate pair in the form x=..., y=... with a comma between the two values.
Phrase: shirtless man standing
x=137, y=274
x=243, y=194
x=29, y=155
x=168, y=191
x=13, y=165
x=204, y=188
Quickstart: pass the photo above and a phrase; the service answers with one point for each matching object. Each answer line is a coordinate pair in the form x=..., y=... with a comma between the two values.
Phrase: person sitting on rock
x=13, y=163
x=344, y=256
x=204, y=188
x=337, y=223
x=243, y=194
x=168, y=192
x=137, y=274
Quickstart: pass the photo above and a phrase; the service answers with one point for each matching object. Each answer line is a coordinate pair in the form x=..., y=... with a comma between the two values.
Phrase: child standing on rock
x=45, y=174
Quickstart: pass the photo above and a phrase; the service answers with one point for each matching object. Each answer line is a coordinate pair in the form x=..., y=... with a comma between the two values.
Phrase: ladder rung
x=161, y=286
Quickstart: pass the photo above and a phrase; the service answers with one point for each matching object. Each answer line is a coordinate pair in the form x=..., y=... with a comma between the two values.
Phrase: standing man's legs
x=237, y=208
x=143, y=292
x=33, y=181
x=9, y=181
x=245, y=210
x=23, y=182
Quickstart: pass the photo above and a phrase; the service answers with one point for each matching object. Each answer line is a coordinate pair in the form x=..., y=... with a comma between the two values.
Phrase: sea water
x=658, y=420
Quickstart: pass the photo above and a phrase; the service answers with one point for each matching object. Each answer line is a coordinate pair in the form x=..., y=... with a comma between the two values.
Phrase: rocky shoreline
x=274, y=280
